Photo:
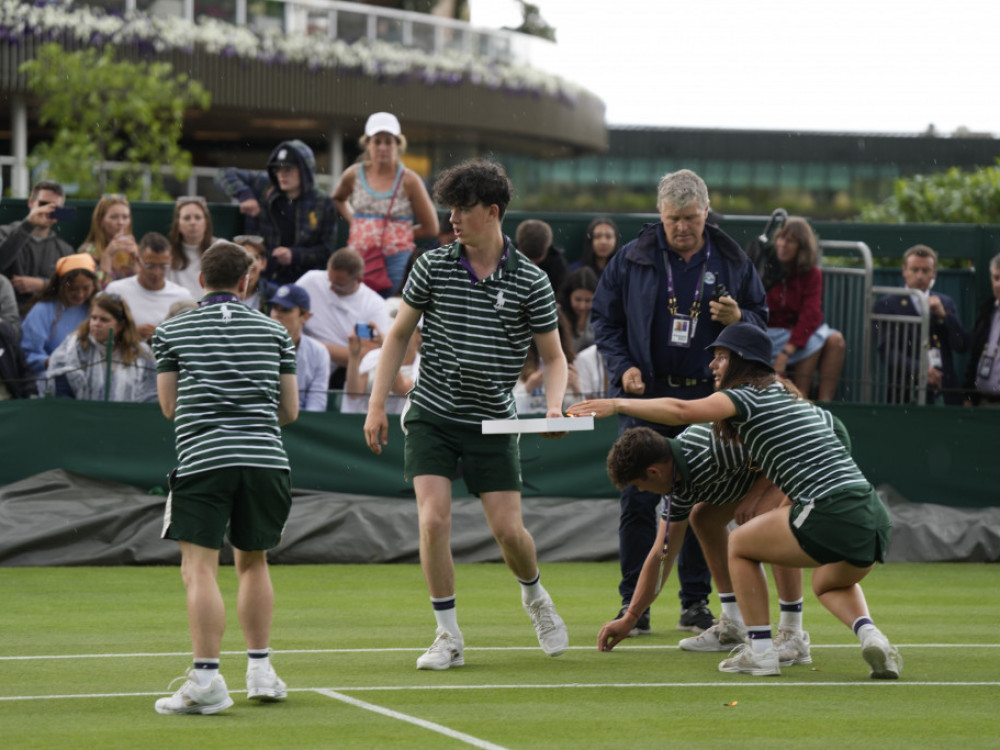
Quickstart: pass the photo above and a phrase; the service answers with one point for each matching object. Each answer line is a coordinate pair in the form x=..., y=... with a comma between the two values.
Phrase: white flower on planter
x=85, y=25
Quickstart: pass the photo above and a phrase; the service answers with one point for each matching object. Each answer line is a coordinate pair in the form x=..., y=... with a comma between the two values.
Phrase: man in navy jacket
x=661, y=301
x=947, y=334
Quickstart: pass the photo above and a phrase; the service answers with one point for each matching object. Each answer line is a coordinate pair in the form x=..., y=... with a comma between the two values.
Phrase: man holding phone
x=29, y=249
x=339, y=302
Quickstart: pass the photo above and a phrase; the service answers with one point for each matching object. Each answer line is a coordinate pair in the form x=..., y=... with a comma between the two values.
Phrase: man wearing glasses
x=29, y=249
x=149, y=295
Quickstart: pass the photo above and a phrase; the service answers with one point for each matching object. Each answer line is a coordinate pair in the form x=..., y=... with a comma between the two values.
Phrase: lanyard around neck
x=671, y=291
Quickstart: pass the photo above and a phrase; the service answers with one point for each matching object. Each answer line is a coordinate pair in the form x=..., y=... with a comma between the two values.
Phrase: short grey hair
x=680, y=189
x=995, y=263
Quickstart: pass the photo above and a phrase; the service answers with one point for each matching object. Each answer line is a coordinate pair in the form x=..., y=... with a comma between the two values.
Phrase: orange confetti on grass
x=731, y=704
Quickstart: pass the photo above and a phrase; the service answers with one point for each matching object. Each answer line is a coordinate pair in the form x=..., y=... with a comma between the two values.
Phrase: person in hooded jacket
x=297, y=220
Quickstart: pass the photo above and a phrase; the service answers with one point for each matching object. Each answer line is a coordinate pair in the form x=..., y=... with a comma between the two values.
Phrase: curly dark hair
x=473, y=182
x=636, y=450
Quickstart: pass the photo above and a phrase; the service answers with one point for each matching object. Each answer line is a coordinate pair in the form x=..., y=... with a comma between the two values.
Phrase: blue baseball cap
x=291, y=295
x=747, y=340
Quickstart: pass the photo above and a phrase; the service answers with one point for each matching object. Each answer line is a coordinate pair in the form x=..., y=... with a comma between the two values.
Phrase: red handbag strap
x=388, y=214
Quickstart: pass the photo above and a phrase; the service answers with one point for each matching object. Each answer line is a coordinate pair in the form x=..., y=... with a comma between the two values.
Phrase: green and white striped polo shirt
x=229, y=359
x=711, y=470
x=716, y=471
x=794, y=443
x=476, y=335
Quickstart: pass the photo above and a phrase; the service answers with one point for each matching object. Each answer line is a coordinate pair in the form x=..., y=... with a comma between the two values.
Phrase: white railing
x=348, y=22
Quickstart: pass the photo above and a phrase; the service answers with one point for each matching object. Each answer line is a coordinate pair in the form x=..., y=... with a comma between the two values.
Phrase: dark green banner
x=934, y=455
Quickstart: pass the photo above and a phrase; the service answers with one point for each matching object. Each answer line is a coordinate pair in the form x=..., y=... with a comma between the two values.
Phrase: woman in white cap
x=385, y=203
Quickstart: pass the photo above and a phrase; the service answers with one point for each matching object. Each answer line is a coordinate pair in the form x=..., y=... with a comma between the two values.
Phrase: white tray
x=541, y=424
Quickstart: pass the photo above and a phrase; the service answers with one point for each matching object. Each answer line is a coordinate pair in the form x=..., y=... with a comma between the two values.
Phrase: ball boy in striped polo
x=226, y=377
x=482, y=303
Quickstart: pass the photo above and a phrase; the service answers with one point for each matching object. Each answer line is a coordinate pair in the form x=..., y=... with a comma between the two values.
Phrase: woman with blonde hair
x=386, y=204
x=190, y=235
x=110, y=240
x=82, y=356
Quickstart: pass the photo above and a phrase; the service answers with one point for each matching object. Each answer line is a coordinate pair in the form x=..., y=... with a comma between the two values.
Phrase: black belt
x=672, y=381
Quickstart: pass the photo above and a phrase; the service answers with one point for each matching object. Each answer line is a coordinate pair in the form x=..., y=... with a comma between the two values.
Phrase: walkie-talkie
x=720, y=291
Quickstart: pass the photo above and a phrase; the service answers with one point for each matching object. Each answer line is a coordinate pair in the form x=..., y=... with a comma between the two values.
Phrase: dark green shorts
x=852, y=526
x=252, y=502
x=489, y=463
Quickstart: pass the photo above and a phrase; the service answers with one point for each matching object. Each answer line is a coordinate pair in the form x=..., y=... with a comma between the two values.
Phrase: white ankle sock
x=202, y=674
x=791, y=616
x=532, y=590
x=730, y=609
x=446, y=618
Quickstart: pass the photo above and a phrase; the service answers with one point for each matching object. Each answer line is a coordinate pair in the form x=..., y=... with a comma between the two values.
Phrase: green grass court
x=87, y=650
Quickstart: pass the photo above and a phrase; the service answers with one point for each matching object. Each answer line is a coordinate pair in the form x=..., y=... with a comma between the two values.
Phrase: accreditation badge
x=682, y=331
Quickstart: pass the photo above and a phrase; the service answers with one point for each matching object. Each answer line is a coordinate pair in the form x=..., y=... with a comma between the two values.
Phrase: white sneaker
x=882, y=656
x=191, y=699
x=792, y=647
x=743, y=659
x=263, y=684
x=444, y=653
x=549, y=626
x=723, y=636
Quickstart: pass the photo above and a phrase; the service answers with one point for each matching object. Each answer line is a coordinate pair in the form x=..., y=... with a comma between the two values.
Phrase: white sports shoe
x=263, y=684
x=191, y=699
x=792, y=647
x=444, y=653
x=882, y=656
x=723, y=636
x=549, y=626
x=743, y=659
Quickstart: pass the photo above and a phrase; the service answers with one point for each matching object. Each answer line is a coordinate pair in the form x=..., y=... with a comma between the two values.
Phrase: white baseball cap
x=382, y=122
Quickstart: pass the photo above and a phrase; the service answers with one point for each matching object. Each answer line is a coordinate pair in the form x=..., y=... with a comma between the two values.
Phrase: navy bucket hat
x=747, y=340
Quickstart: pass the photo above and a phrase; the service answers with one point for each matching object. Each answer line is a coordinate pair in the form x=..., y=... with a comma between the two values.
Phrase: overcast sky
x=852, y=65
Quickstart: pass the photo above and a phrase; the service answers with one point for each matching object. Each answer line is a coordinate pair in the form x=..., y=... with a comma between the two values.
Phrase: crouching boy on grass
x=226, y=376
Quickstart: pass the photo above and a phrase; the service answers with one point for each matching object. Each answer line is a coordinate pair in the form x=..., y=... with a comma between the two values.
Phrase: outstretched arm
x=654, y=574
x=672, y=411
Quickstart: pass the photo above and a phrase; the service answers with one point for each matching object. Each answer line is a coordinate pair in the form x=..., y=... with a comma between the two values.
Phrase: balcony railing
x=347, y=22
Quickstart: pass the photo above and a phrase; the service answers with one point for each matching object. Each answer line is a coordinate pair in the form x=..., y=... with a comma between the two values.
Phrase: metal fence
x=846, y=293
x=902, y=344
x=888, y=354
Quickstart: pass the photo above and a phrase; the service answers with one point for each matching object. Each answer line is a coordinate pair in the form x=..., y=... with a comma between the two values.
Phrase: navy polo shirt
x=692, y=361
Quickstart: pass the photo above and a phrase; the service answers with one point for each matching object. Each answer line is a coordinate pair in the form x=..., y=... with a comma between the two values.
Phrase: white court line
x=439, y=728
x=277, y=652
x=779, y=683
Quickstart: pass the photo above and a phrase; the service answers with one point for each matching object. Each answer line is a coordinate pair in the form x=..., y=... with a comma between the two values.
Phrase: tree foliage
x=103, y=110
x=954, y=196
x=533, y=24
